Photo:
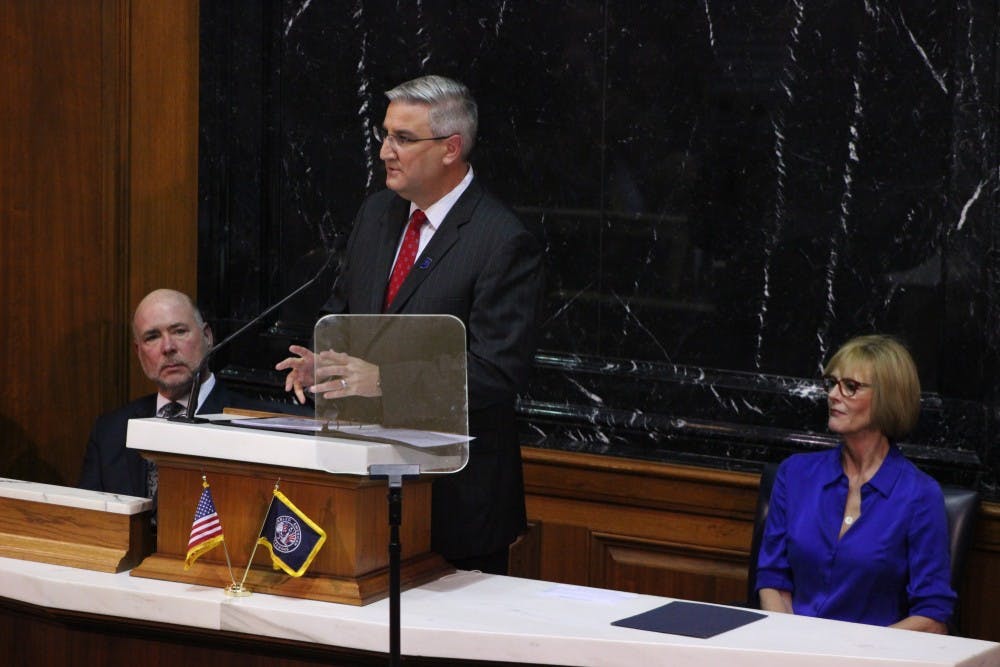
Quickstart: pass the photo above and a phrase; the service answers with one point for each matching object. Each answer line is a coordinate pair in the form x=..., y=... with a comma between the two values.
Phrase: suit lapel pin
x=425, y=263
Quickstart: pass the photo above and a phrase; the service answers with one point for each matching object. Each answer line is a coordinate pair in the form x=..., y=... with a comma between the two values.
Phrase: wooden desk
x=73, y=527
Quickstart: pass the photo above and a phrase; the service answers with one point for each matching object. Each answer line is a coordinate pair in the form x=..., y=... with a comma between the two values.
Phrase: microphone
x=188, y=415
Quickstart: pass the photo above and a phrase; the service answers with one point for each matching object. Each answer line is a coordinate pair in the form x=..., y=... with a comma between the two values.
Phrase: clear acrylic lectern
x=399, y=380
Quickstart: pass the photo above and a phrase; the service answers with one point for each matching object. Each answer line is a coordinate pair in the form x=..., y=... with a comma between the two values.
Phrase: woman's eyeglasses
x=848, y=387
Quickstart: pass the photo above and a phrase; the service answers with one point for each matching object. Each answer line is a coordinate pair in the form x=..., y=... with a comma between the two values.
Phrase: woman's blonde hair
x=896, y=385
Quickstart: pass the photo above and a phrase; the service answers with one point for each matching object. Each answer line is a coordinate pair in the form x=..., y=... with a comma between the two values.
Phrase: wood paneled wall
x=98, y=205
x=681, y=532
x=98, y=201
x=163, y=154
x=980, y=605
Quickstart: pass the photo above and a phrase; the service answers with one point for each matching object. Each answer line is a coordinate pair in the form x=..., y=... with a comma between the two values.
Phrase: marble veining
x=786, y=82
x=725, y=192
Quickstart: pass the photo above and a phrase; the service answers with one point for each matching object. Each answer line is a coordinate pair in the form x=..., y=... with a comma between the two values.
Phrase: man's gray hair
x=452, y=109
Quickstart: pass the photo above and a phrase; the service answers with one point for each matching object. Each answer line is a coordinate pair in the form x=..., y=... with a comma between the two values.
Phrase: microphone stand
x=188, y=415
x=395, y=473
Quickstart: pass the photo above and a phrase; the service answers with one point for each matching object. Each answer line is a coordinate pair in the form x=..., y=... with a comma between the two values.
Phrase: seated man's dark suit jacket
x=484, y=267
x=110, y=466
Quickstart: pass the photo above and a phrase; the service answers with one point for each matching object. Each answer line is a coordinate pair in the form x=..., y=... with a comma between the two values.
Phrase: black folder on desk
x=690, y=619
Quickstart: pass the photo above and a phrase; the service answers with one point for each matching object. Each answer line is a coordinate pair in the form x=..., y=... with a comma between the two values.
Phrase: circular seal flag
x=287, y=534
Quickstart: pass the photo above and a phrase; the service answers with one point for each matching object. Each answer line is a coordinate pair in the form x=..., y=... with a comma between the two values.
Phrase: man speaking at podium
x=436, y=242
x=171, y=338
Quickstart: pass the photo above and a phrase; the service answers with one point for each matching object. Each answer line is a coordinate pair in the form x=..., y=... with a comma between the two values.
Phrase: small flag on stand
x=292, y=538
x=206, y=530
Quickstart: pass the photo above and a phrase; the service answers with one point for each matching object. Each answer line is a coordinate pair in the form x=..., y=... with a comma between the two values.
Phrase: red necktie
x=407, y=255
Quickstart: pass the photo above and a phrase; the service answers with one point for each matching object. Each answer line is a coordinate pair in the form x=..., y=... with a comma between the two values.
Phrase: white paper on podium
x=370, y=432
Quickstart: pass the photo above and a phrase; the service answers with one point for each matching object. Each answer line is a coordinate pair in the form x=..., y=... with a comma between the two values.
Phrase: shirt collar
x=438, y=211
x=884, y=478
x=206, y=388
x=834, y=469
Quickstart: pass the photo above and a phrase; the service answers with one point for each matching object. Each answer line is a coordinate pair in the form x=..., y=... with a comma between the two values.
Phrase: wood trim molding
x=986, y=536
x=639, y=484
x=115, y=188
x=693, y=572
x=603, y=462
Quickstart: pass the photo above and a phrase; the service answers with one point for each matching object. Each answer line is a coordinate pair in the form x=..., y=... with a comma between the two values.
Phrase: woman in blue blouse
x=858, y=533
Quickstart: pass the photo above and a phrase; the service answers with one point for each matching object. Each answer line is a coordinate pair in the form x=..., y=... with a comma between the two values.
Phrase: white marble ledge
x=270, y=447
x=475, y=616
x=69, y=496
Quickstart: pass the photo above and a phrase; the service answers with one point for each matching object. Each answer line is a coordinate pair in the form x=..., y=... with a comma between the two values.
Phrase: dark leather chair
x=760, y=517
x=960, y=504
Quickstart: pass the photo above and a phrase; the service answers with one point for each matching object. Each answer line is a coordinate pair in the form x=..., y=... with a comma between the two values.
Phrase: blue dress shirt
x=893, y=562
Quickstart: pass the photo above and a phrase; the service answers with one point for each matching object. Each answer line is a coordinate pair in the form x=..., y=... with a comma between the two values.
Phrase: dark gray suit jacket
x=484, y=267
x=110, y=466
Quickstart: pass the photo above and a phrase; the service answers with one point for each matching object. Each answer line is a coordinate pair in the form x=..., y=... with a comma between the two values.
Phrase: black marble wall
x=727, y=192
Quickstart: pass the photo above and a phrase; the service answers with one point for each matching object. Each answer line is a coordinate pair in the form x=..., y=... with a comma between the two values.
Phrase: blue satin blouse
x=893, y=562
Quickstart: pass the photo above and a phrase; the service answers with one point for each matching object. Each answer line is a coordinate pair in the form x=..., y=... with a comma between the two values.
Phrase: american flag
x=206, y=530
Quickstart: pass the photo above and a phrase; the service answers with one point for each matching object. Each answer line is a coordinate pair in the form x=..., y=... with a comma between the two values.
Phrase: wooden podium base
x=352, y=565
x=344, y=590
